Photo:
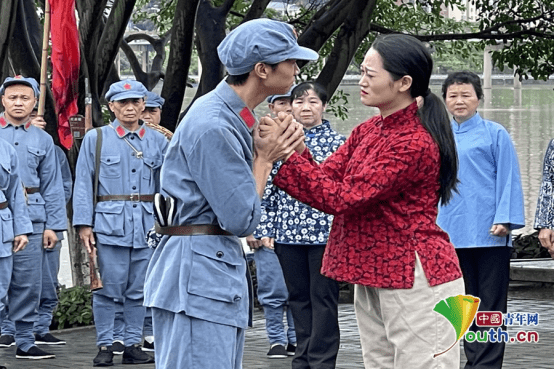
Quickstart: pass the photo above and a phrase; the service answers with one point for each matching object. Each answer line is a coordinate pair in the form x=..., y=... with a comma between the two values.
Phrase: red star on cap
x=127, y=86
x=19, y=76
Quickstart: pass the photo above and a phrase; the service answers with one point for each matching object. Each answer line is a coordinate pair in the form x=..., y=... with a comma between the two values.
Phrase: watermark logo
x=461, y=312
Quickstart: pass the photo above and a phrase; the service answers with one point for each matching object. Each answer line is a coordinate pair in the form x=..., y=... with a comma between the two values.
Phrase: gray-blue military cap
x=153, y=100
x=126, y=89
x=20, y=80
x=260, y=41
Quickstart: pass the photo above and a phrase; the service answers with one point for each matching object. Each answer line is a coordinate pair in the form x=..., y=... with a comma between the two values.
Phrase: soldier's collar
x=122, y=131
x=235, y=103
x=4, y=123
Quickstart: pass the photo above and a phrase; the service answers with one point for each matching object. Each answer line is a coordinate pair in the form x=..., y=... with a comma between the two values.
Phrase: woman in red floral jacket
x=383, y=186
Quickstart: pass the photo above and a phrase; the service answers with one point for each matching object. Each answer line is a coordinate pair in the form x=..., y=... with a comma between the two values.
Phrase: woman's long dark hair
x=405, y=55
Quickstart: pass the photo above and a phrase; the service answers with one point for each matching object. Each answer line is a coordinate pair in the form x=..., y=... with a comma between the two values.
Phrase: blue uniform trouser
x=24, y=293
x=187, y=342
x=273, y=296
x=122, y=270
x=48, y=295
x=6, y=266
x=119, y=323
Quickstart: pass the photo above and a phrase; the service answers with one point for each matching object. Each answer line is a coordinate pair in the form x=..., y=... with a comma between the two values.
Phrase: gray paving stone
x=524, y=297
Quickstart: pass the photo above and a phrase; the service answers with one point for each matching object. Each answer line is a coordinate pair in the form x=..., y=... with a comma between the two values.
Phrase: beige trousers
x=400, y=330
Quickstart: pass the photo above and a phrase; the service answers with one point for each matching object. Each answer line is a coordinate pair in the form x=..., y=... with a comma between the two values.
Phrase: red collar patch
x=120, y=131
x=27, y=125
x=248, y=118
x=3, y=122
x=141, y=133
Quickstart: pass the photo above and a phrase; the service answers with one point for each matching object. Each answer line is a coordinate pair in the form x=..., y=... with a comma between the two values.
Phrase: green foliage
x=161, y=16
x=74, y=308
x=528, y=247
x=337, y=104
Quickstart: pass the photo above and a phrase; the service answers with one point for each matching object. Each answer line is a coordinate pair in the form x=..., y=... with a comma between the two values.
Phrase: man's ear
x=110, y=105
x=261, y=70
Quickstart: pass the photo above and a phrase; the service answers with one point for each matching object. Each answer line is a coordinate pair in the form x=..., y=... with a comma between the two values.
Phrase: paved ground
x=524, y=297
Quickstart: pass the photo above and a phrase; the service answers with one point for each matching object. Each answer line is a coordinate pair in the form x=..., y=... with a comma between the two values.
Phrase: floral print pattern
x=287, y=220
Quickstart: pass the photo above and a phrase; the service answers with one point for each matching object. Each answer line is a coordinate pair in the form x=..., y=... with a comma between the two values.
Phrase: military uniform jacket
x=14, y=220
x=38, y=167
x=208, y=171
x=118, y=223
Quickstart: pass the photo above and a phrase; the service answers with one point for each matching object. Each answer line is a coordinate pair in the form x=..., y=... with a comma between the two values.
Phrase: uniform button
x=133, y=170
x=134, y=205
x=134, y=187
x=16, y=127
x=219, y=254
x=132, y=137
x=236, y=298
x=16, y=143
x=108, y=160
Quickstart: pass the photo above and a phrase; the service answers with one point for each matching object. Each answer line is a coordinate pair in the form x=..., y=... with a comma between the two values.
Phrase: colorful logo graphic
x=460, y=311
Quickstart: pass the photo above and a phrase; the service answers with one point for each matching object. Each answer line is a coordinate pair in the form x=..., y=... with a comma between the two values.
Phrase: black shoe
x=277, y=352
x=6, y=340
x=148, y=346
x=291, y=349
x=118, y=347
x=48, y=339
x=135, y=355
x=104, y=357
x=33, y=353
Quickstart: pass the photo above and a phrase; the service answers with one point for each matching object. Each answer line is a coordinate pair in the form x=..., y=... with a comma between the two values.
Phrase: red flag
x=65, y=64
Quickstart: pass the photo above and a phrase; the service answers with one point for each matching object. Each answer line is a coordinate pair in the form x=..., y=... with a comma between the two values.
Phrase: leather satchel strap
x=132, y=197
x=192, y=230
x=3, y=205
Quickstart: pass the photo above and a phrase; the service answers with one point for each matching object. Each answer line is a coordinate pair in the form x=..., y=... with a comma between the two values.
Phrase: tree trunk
x=353, y=31
x=175, y=82
x=7, y=25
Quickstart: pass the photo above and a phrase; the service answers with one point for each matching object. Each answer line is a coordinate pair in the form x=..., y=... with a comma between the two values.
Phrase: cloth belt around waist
x=136, y=197
x=31, y=190
x=192, y=230
x=3, y=205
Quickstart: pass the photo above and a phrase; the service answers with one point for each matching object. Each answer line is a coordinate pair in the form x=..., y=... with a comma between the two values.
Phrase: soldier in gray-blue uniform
x=130, y=161
x=41, y=176
x=151, y=114
x=51, y=257
x=196, y=282
x=15, y=224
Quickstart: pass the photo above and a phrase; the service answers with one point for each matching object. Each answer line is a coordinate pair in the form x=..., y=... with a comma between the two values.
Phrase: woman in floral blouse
x=299, y=234
x=383, y=186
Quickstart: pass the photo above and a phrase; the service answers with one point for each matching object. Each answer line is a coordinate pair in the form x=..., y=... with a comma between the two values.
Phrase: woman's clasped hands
x=277, y=138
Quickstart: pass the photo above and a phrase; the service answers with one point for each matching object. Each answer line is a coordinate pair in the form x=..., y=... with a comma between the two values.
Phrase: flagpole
x=44, y=61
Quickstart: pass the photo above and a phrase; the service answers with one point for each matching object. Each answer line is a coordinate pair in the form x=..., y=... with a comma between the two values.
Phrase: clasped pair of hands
x=277, y=138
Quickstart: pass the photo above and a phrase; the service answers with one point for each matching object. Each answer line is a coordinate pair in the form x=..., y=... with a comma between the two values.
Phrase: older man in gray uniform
x=196, y=282
x=130, y=159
